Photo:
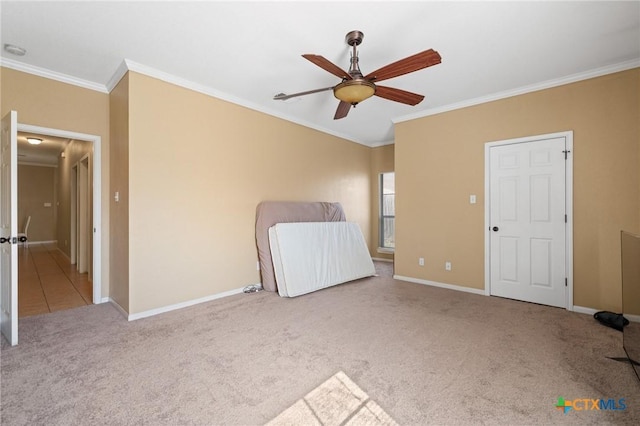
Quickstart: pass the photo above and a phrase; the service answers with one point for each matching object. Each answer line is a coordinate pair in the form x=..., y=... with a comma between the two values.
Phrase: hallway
x=48, y=282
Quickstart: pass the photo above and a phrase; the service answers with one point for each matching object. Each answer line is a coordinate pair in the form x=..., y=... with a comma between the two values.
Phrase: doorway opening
x=85, y=227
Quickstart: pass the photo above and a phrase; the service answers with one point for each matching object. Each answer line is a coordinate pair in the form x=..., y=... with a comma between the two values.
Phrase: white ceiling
x=247, y=52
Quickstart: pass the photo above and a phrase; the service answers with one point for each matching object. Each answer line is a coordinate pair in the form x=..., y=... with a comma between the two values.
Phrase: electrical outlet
x=447, y=266
x=421, y=261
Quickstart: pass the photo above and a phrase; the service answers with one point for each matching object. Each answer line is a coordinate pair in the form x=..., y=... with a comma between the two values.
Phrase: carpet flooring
x=425, y=355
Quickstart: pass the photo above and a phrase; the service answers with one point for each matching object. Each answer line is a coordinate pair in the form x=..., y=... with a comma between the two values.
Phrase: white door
x=9, y=224
x=527, y=221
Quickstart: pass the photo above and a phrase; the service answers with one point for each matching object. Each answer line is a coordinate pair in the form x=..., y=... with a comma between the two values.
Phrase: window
x=387, y=211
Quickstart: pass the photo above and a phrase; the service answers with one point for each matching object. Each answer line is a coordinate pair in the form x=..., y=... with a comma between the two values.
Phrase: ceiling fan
x=355, y=87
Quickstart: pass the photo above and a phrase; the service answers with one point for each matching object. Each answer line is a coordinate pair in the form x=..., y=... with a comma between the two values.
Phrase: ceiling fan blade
x=284, y=97
x=342, y=111
x=404, y=66
x=398, y=95
x=327, y=65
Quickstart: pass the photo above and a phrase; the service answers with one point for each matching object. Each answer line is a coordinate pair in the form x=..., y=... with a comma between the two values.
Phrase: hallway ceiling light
x=34, y=141
x=14, y=50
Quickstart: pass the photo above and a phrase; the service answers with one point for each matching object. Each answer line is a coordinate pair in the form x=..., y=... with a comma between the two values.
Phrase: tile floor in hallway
x=48, y=282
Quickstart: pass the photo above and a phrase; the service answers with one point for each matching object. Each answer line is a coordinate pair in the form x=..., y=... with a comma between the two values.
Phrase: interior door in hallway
x=527, y=221
x=9, y=225
x=83, y=231
x=80, y=212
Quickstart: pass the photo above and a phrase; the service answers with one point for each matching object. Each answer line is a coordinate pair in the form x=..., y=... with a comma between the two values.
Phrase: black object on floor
x=611, y=319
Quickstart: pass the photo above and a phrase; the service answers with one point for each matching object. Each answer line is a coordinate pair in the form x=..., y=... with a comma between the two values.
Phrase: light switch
x=472, y=199
x=47, y=204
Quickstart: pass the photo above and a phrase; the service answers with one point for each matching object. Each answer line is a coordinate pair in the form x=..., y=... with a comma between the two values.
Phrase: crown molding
x=379, y=144
x=117, y=75
x=128, y=65
x=187, y=84
x=52, y=75
x=598, y=72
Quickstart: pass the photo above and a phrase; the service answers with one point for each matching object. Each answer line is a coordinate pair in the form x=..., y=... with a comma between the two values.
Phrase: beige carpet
x=425, y=355
x=338, y=401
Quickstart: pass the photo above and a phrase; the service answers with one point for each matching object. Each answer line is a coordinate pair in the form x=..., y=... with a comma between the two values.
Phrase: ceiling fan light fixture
x=34, y=141
x=354, y=91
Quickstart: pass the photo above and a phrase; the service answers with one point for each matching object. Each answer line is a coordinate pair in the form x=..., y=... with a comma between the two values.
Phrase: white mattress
x=314, y=255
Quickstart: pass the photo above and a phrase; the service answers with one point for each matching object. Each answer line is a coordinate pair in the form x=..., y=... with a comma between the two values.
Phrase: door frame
x=568, y=135
x=79, y=207
x=73, y=181
x=96, y=192
x=83, y=194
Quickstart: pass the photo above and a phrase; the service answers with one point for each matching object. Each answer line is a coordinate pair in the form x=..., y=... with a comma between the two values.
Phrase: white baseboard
x=385, y=250
x=591, y=311
x=157, y=311
x=64, y=254
x=380, y=259
x=441, y=285
x=116, y=305
x=42, y=242
x=584, y=310
x=578, y=309
x=632, y=318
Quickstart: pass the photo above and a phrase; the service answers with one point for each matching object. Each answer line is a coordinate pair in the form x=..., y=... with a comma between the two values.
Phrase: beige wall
x=198, y=166
x=119, y=114
x=238, y=157
x=440, y=162
x=35, y=188
x=382, y=161
x=52, y=104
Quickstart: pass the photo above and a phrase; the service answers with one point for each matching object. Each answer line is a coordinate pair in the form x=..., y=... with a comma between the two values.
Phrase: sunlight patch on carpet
x=338, y=401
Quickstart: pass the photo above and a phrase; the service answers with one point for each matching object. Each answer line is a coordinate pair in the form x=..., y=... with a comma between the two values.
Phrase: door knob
x=495, y=229
x=5, y=240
